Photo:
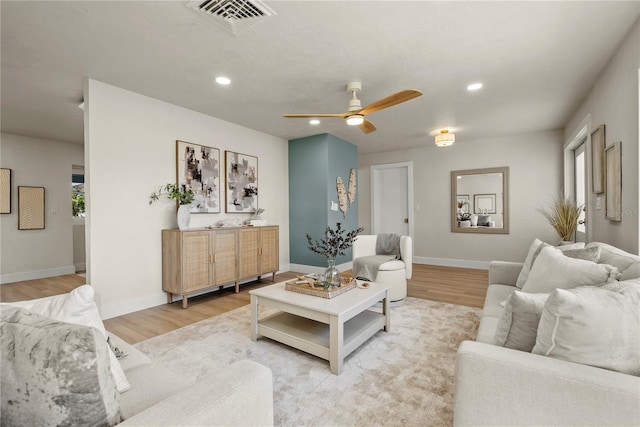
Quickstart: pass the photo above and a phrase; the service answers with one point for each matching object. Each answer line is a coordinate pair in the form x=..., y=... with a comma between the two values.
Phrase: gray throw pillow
x=54, y=373
x=588, y=254
x=518, y=325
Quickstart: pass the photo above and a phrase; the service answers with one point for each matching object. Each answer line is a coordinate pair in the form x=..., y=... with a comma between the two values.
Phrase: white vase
x=474, y=220
x=184, y=216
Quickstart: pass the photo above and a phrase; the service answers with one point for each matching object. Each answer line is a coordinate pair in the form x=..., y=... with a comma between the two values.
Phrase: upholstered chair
x=394, y=273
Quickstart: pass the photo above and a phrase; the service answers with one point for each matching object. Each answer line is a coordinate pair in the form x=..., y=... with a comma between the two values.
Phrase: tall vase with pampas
x=563, y=214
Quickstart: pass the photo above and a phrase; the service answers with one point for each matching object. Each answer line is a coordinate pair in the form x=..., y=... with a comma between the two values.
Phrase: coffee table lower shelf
x=315, y=337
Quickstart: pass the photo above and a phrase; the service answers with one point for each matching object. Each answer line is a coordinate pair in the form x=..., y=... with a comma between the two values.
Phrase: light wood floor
x=444, y=284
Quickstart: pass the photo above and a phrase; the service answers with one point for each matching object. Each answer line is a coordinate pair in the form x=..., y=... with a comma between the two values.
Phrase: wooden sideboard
x=197, y=259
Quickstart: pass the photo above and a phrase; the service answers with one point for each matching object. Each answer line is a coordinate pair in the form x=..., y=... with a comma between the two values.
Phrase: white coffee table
x=328, y=328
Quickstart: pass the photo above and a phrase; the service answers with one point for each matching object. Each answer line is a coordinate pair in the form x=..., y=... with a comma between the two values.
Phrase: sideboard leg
x=237, y=287
x=169, y=297
x=273, y=276
x=184, y=301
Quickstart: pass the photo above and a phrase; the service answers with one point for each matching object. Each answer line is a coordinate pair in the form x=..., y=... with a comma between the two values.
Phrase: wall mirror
x=480, y=201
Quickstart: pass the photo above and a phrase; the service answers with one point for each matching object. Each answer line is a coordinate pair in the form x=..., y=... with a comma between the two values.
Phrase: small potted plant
x=184, y=196
x=563, y=215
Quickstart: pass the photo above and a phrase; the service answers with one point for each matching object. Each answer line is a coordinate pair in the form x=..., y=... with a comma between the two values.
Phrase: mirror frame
x=505, y=201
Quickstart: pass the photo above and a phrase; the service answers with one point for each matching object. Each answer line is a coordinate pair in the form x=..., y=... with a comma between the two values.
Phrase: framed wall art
x=30, y=208
x=5, y=191
x=242, y=182
x=597, y=159
x=484, y=203
x=198, y=168
x=613, y=185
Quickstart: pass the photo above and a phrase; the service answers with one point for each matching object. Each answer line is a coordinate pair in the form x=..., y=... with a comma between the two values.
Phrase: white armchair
x=394, y=273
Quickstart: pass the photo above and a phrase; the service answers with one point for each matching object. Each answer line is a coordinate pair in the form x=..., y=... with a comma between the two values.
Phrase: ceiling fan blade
x=303, y=116
x=367, y=127
x=390, y=101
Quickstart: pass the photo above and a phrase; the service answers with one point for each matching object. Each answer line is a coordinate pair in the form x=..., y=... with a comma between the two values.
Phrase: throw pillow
x=614, y=256
x=532, y=254
x=588, y=254
x=77, y=307
x=631, y=272
x=596, y=326
x=553, y=270
x=518, y=325
x=54, y=373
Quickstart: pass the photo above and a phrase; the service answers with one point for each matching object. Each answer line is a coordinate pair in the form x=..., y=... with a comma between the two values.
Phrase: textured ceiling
x=537, y=61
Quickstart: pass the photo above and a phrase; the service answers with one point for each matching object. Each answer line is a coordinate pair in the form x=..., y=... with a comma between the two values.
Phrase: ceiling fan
x=355, y=115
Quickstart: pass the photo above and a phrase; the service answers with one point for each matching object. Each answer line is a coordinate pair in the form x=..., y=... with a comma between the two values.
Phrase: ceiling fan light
x=355, y=120
x=445, y=139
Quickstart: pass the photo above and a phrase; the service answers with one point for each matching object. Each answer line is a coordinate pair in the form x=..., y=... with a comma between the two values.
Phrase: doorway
x=580, y=188
x=392, y=198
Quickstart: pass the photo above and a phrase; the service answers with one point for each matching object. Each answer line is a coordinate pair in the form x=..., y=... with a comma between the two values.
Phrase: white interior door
x=580, y=180
x=392, y=198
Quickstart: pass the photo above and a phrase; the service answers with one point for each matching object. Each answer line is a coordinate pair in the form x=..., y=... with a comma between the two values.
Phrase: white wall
x=535, y=176
x=613, y=101
x=33, y=254
x=131, y=151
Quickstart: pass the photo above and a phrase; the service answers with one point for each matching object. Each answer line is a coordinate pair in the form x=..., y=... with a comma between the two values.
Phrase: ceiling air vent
x=235, y=16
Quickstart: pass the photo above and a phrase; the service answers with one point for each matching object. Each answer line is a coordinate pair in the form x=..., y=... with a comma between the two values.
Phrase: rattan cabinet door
x=249, y=240
x=269, y=245
x=224, y=249
x=196, y=260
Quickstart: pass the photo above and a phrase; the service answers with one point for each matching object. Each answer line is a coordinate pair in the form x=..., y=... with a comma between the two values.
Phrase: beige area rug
x=399, y=378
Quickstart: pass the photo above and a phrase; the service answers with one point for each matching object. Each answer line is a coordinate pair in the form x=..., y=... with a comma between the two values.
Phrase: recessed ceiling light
x=314, y=121
x=474, y=86
x=223, y=80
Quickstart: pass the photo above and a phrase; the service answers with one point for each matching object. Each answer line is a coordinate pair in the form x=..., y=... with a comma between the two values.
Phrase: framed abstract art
x=198, y=168
x=242, y=182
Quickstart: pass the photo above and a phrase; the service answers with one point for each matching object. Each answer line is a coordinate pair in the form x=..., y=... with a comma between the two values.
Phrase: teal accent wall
x=314, y=164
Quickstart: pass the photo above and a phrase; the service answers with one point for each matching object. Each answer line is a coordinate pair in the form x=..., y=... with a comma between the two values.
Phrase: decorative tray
x=304, y=288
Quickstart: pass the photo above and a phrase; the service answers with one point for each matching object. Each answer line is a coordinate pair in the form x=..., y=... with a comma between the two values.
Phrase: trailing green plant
x=563, y=215
x=173, y=191
x=77, y=201
x=335, y=242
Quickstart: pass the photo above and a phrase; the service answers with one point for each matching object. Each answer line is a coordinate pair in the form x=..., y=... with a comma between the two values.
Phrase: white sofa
x=499, y=386
x=237, y=395
x=240, y=394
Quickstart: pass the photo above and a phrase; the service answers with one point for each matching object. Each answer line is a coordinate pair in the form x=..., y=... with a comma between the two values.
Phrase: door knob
x=406, y=220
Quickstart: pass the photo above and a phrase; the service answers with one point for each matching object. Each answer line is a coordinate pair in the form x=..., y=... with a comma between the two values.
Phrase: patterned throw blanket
x=387, y=249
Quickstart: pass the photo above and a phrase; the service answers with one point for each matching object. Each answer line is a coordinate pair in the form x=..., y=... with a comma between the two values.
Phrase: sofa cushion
x=532, y=254
x=518, y=325
x=588, y=254
x=596, y=326
x=553, y=270
x=54, y=373
x=134, y=357
x=631, y=272
x=487, y=329
x=151, y=383
x=77, y=307
x=614, y=256
x=496, y=294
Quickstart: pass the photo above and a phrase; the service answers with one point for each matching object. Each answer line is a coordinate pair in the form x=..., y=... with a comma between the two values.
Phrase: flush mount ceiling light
x=445, y=138
x=355, y=120
x=223, y=80
x=474, y=86
x=314, y=122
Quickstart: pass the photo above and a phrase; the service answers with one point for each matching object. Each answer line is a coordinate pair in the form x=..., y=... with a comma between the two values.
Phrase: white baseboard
x=38, y=274
x=81, y=266
x=107, y=311
x=447, y=262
